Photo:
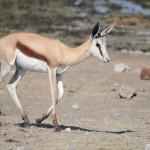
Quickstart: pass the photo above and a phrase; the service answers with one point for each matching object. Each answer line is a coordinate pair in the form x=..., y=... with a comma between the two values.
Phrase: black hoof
x=57, y=129
x=26, y=121
x=38, y=121
x=25, y=125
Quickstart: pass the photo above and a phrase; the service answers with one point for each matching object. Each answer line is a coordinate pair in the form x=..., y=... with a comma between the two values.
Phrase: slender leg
x=12, y=85
x=5, y=72
x=60, y=90
x=60, y=95
x=52, y=77
x=5, y=69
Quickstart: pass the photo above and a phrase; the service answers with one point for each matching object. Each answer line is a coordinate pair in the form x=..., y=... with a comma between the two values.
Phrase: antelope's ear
x=107, y=30
x=95, y=30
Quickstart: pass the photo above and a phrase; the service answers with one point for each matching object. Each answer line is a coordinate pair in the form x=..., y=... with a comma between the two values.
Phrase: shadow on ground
x=75, y=128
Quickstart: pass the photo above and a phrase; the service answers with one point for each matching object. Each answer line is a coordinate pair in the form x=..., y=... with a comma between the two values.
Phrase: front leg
x=60, y=95
x=52, y=78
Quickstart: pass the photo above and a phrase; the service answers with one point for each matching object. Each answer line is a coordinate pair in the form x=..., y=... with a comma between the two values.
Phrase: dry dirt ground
x=103, y=122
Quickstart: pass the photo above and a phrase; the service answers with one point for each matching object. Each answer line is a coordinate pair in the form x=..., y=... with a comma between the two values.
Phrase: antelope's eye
x=98, y=45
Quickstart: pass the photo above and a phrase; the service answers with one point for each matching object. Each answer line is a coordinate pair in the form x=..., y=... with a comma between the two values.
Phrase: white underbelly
x=29, y=63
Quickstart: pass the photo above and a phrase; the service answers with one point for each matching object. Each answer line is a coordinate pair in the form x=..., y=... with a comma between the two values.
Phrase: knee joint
x=11, y=88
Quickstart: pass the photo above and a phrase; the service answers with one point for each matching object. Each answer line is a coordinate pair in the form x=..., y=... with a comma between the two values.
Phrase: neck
x=78, y=54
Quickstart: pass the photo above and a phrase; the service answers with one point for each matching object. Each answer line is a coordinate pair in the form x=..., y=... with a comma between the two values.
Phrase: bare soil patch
x=102, y=122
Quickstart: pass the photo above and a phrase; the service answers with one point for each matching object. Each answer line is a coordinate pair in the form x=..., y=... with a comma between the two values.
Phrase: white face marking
x=98, y=49
x=30, y=64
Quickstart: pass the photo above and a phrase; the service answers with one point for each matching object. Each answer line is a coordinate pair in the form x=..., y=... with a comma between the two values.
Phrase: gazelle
x=32, y=52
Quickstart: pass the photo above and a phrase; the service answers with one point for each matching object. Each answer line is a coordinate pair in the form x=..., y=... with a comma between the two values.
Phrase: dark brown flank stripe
x=29, y=52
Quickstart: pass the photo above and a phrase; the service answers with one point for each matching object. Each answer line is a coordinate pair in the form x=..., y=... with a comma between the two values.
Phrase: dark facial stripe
x=29, y=52
x=100, y=51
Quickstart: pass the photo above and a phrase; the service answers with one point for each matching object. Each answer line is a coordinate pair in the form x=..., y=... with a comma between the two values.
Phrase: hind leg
x=12, y=85
x=5, y=72
x=5, y=69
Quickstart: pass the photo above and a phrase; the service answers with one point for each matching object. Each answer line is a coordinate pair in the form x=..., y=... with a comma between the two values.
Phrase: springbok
x=32, y=52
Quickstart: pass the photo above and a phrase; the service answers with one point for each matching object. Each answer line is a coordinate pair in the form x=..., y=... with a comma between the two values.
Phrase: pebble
x=116, y=84
x=121, y=67
x=145, y=73
x=126, y=92
x=147, y=147
x=116, y=115
x=75, y=107
x=68, y=129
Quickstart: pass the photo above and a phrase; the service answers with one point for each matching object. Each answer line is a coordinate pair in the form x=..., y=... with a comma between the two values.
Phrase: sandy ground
x=103, y=122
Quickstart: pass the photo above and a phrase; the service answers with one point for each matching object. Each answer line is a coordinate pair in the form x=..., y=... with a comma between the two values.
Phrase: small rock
x=116, y=115
x=116, y=84
x=126, y=92
x=21, y=148
x=68, y=129
x=145, y=74
x=75, y=107
x=147, y=147
x=121, y=67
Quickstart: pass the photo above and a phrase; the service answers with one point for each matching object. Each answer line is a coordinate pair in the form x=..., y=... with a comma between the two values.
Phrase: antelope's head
x=98, y=42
